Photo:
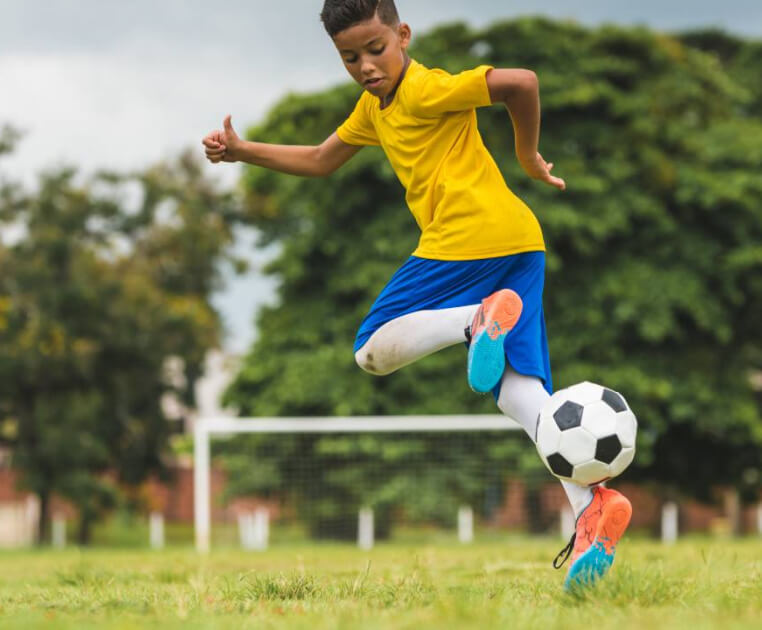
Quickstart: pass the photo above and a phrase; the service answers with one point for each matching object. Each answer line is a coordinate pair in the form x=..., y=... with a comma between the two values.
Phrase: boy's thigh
x=426, y=284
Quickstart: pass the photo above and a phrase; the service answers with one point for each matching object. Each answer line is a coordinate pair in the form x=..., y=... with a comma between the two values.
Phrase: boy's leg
x=410, y=337
x=414, y=336
x=428, y=304
x=521, y=398
x=602, y=514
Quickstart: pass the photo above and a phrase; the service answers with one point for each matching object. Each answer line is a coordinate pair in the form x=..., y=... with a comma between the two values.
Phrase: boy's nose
x=368, y=69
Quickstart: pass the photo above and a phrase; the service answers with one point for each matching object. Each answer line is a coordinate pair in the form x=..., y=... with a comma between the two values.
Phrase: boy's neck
x=387, y=100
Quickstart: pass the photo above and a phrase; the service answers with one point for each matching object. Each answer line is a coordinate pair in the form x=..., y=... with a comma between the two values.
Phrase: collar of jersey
x=387, y=110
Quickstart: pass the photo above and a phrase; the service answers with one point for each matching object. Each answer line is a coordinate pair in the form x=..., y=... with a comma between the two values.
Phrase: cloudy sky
x=120, y=84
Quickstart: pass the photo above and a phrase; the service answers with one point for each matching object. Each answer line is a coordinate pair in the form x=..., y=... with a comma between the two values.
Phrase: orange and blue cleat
x=593, y=544
x=494, y=319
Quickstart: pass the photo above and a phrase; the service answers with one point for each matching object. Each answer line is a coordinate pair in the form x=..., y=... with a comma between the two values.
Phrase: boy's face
x=374, y=53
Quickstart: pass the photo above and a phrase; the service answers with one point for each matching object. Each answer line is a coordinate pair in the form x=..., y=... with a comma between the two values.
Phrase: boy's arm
x=226, y=146
x=519, y=91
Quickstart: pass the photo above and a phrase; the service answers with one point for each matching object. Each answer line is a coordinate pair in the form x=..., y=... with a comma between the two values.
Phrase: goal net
x=365, y=478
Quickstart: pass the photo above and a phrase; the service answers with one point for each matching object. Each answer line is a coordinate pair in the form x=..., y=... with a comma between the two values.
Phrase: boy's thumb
x=227, y=125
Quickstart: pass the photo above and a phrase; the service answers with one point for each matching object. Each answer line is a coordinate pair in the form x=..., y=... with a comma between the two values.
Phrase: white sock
x=413, y=336
x=579, y=496
x=521, y=398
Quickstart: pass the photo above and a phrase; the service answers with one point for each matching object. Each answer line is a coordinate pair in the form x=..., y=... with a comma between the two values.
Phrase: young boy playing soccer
x=477, y=274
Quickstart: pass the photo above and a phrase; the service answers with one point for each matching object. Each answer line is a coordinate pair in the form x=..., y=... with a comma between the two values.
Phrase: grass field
x=505, y=584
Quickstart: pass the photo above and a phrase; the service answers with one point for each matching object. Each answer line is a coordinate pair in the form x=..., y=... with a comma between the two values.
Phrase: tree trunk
x=732, y=508
x=85, y=531
x=43, y=521
x=534, y=509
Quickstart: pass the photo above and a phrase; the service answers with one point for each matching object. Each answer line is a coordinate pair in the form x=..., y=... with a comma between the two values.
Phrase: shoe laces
x=564, y=554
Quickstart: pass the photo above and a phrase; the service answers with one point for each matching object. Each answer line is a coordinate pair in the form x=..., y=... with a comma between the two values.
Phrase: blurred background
x=141, y=288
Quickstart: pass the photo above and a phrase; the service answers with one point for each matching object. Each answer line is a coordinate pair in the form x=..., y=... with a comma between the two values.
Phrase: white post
x=261, y=531
x=201, y=499
x=465, y=524
x=59, y=531
x=568, y=524
x=254, y=529
x=245, y=530
x=669, y=523
x=365, y=529
x=156, y=530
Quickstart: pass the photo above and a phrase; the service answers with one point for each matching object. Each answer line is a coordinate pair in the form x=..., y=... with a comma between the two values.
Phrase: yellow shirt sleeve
x=439, y=92
x=358, y=129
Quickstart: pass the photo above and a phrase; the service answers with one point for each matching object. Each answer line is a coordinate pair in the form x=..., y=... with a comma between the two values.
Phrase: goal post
x=207, y=427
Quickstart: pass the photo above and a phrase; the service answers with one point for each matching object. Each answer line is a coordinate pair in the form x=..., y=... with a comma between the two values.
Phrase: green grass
x=501, y=584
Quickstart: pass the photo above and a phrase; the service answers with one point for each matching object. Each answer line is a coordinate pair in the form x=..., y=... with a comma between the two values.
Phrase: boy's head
x=371, y=40
x=339, y=15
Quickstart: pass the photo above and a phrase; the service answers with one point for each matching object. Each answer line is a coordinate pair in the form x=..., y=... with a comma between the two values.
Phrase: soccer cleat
x=494, y=319
x=593, y=544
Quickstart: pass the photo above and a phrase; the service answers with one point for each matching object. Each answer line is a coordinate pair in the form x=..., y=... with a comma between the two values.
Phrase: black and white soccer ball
x=586, y=434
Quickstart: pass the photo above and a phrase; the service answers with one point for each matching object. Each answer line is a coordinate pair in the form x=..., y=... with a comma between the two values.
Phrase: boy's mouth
x=373, y=82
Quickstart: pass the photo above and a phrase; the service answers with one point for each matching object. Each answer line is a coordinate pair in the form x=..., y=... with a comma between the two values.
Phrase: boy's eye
x=353, y=58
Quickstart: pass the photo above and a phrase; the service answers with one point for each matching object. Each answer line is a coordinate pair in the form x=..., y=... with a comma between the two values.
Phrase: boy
x=478, y=272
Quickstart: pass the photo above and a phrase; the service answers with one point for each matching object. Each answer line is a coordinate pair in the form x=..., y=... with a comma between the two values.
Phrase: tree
x=653, y=287
x=96, y=295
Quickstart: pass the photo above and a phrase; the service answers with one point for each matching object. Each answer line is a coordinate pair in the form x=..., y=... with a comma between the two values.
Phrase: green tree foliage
x=102, y=284
x=653, y=287
x=741, y=58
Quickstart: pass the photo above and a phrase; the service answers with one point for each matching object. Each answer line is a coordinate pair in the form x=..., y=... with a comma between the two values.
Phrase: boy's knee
x=369, y=363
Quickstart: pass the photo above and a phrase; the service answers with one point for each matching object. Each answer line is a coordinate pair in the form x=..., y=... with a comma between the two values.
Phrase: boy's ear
x=404, y=33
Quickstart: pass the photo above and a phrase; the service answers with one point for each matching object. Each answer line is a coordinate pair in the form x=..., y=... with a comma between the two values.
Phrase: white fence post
x=254, y=529
x=201, y=487
x=245, y=529
x=567, y=522
x=156, y=530
x=669, y=523
x=365, y=529
x=18, y=522
x=261, y=531
x=58, y=531
x=465, y=524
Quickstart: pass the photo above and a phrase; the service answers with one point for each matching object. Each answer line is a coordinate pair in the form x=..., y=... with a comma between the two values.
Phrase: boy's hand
x=540, y=169
x=222, y=145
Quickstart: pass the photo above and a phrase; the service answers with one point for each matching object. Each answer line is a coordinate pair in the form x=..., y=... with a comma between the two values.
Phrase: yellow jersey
x=453, y=187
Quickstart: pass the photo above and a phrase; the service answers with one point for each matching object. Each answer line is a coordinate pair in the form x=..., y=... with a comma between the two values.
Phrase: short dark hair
x=339, y=15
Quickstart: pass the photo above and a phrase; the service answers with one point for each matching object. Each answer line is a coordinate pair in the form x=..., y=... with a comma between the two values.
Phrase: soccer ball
x=586, y=434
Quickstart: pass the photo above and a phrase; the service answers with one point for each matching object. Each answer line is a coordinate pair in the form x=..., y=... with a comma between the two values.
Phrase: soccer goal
x=208, y=428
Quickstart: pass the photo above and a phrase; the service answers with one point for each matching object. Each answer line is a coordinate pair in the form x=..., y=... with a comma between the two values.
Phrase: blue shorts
x=424, y=284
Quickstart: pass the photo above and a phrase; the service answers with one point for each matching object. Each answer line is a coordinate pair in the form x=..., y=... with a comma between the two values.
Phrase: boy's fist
x=222, y=145
x=540, y=169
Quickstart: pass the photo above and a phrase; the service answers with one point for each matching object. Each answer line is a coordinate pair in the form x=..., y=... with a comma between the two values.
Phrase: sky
x=123, y=84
